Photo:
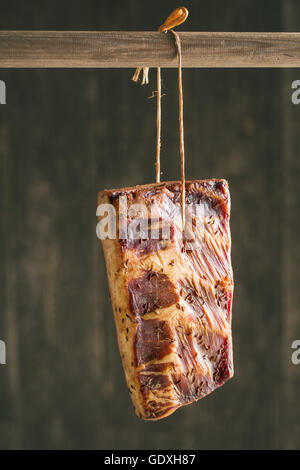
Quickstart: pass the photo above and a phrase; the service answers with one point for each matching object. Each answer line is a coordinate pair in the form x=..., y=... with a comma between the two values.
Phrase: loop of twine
x=177, y=17
x=145, y=81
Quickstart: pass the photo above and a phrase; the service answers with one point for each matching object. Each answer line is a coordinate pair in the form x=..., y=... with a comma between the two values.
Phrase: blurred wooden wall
x=66, y=134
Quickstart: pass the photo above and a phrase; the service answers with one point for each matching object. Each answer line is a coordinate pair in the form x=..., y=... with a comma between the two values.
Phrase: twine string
x=158, y=125
x=177, y=17
x=181, y=126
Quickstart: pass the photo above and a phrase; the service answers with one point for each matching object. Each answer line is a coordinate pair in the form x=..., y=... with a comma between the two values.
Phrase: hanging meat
x=171, y=291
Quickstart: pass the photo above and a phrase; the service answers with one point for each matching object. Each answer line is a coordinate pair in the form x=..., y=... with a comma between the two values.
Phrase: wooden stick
x=114, y=49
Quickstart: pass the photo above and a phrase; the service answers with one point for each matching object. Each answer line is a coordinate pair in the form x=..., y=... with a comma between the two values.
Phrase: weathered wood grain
x=116, y=49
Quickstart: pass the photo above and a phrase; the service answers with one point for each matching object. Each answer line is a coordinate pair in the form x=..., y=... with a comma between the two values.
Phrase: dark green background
x=65, y=135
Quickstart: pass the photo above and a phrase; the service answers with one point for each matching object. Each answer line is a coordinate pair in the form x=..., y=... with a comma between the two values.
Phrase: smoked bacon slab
x=171, y=294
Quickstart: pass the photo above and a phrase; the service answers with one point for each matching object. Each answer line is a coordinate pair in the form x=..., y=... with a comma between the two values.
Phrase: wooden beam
x=114, y=49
